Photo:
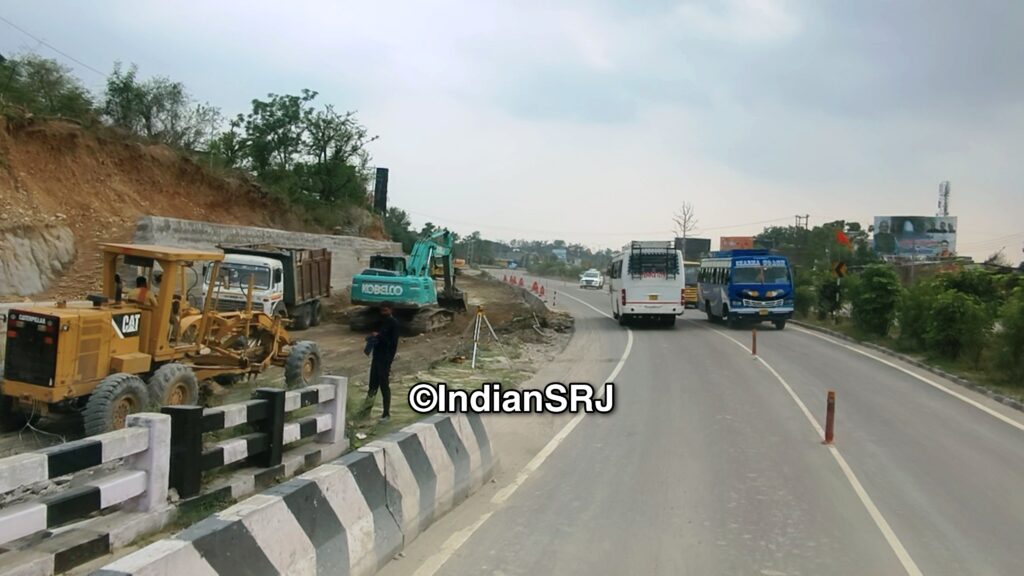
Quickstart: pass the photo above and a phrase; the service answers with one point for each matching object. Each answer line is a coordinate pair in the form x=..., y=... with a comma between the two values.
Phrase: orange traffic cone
x=541, y=290
x=521, y=283
x=533, y=288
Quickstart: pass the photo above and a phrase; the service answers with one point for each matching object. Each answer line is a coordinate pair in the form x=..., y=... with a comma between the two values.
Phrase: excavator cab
x=383, y=265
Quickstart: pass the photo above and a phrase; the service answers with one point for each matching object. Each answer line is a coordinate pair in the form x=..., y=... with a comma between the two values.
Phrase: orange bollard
x=521, y=283
x=533, y=288
x=830, y=417
x=753, y=341
x=542, y=290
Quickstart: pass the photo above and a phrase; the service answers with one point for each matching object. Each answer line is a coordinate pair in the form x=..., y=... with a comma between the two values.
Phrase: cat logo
x=126, y=325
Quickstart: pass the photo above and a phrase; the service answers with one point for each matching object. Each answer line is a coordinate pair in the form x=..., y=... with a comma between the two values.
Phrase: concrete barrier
x=347, y=517
x=349, y=254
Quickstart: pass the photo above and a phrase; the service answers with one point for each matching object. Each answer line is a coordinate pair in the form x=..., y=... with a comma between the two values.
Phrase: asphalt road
x=711, y=464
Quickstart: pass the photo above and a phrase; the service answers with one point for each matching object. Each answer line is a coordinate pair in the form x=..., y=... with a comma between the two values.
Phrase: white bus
x=646, y=281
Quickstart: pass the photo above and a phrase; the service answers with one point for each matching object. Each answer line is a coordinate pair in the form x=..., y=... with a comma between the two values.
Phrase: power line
x=990, y=241
x=51, y=47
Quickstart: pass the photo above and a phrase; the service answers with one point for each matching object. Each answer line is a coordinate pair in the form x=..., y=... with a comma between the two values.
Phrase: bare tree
x=685, y=220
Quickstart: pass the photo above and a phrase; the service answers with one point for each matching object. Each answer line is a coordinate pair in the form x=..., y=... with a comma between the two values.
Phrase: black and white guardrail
x=266, y=414
x=349, y=516
x=142, y=482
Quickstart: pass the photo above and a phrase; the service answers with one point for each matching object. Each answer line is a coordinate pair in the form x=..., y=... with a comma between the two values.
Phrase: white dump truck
x=287, y=282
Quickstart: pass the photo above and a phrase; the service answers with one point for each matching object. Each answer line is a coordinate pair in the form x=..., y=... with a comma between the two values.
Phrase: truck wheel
x=301, y=317
x=174, y=385
x=11, y=417
x=116, y=396
x=303, y=366
x=317, y=314
x=779, y=324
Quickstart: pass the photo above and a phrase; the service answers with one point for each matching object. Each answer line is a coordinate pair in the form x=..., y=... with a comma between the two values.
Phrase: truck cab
x=232, y=288
x=286, y=282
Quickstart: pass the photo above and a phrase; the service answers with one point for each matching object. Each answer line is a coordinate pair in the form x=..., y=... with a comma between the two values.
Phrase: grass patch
x=961, y=368
x=492, y=366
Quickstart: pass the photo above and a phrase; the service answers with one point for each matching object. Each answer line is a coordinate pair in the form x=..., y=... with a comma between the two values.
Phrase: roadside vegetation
x=309, y=157
x=964, y=317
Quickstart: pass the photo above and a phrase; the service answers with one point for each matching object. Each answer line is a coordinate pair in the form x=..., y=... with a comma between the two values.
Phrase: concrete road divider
x=349, y=516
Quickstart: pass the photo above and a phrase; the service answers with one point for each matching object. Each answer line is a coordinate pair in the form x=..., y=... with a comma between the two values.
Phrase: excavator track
x=429, y=319
x=414, y=321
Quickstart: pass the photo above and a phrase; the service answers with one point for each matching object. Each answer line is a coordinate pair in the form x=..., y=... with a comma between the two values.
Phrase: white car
x=591, y=279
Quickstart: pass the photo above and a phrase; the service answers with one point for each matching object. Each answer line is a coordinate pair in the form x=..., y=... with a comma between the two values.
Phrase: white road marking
x=450, y=546
x=890, y=536
x=456, y=540
x=588, y=305
x=927, y=381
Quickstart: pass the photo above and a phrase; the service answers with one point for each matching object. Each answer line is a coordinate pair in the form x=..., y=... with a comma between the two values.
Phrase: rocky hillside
x=63, y=189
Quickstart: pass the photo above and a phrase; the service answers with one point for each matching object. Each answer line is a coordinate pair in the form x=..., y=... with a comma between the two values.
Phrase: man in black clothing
x=385, y=345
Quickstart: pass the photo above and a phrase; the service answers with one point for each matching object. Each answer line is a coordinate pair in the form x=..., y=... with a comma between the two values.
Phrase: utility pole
x=803, y=221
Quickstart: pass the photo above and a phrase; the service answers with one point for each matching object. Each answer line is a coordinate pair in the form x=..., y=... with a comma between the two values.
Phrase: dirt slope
x=96, y=183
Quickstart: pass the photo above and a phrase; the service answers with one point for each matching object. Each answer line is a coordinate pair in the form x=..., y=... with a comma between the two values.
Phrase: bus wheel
x=707, y=310
x=623, y=320
x=730, y=319
x=779, y=324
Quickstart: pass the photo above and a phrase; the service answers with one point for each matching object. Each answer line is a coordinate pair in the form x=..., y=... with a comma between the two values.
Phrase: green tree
x=399, y=228
x=1009, y=340
x=831, y=295
x=958, y=326
x=44, y=87
x=981, y=284
x=158, y=109
x=914, y=313
x=876, y=299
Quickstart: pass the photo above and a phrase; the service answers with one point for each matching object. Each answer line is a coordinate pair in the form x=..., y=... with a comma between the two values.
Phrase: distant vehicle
x=287, y=282
x=690, y=270
x=592, y=279
x=646, y=281
x=752, y=285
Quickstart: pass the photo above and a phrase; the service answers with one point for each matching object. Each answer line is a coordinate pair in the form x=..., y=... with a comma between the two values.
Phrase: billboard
x=735, y=242
x=915, y=237
x=695, y=248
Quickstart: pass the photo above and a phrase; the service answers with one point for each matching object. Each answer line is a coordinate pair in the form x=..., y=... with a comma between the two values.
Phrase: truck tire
x=317, y=314
x=11, y=417
x=301, y=317
x=303, y=366
x=779, y=324
x=114, y=398
x=173, y=385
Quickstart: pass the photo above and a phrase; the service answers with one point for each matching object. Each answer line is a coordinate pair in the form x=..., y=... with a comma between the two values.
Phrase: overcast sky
x=592, y=120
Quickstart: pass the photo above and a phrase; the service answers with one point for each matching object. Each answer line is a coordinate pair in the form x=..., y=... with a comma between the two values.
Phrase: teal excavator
x=409, y=284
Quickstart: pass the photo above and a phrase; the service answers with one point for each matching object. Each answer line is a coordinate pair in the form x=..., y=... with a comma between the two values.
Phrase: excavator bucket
x=455, y=301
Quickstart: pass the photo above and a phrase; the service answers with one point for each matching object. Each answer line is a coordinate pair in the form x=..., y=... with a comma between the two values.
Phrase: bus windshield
x=769, y=273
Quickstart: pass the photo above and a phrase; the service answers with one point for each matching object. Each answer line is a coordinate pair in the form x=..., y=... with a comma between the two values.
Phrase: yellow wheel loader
x=139, y=349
